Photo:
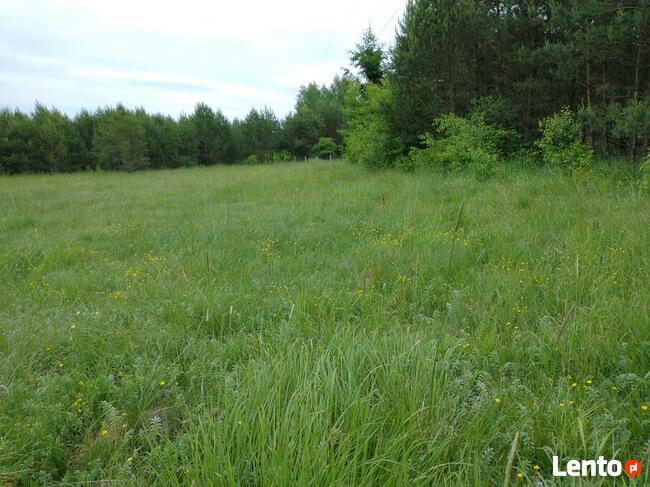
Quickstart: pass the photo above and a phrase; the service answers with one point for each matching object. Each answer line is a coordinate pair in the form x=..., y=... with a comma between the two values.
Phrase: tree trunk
x=605, y=121
x=590, y=130
x=477, y=72
x=637, y=67
x=451, y=99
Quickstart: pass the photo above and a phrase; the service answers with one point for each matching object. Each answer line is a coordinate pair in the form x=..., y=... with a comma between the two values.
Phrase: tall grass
x=320, y=324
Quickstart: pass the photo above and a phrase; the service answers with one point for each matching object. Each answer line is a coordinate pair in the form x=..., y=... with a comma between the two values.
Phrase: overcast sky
x=168, y=55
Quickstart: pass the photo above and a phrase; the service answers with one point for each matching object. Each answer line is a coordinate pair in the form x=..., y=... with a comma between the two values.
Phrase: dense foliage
x=572, y=74
x=117, y=138
x=560, y=143
x=368, y=137
x=567, y=80
x=471, y=143
x=540, y=55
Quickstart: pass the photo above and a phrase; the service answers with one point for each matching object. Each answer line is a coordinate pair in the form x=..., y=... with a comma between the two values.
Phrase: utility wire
x=397, y=10
x=342, y=27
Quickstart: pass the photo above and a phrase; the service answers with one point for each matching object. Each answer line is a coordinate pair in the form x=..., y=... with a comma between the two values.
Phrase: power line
x=397, y=10
x=351, y=13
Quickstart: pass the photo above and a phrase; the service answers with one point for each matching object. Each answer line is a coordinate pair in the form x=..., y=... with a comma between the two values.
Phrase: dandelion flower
x=536, y=468
x=60, y=365
x=574, y=385
x=162, y=383
x=589, y=382
x=520, y=475
x=73, y=327
x=561, y=404
x=81, y=383
x=644, y=407
x=130, y=459
x=497, y=400
x=571, y=403
x=104, y=432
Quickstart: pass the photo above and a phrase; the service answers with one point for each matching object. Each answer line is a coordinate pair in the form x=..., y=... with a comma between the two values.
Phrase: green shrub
x=561, y=142
x=325, y=148
x=281, y=156
x=252, y=159
x=464, y=143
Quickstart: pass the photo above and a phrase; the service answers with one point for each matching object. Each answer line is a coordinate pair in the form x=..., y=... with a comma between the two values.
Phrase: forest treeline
x=466, y=83
x=112, y=138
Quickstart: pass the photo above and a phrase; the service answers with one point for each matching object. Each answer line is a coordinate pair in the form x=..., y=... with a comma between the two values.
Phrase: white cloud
x=167, y=55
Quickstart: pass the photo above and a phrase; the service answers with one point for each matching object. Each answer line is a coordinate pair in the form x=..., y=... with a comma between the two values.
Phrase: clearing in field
x=319, y=324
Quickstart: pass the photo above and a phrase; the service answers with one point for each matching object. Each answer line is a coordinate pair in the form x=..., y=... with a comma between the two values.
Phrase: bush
x=281, y=156
x=561, y=143
x=464, y=143
x=325, y=148
x=252, y=159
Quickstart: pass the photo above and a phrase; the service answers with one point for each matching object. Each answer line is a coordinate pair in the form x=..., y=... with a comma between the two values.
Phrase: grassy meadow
x=319, y=324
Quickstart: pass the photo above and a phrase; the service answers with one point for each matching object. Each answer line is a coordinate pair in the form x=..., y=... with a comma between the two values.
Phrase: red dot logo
x=632, y=468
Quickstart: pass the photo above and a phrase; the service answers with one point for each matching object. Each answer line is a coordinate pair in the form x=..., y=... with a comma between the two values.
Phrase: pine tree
x=368, y=58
